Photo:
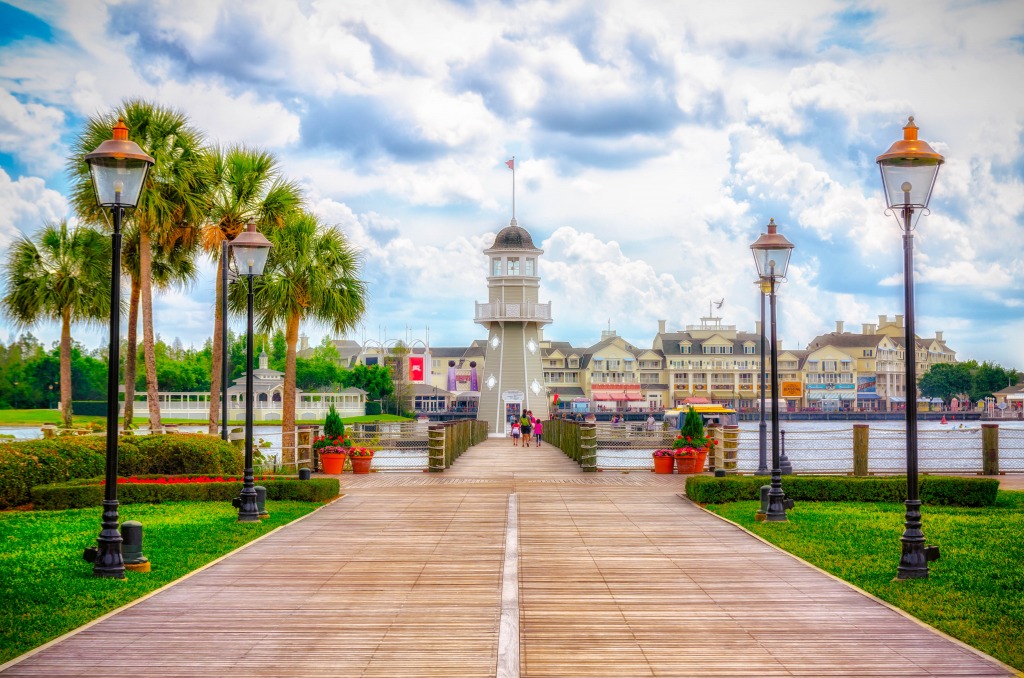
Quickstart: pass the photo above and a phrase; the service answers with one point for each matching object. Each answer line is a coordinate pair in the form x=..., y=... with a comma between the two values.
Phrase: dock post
x=588, y=447
x=990, y=449
x=435, y=448
x=861, y=433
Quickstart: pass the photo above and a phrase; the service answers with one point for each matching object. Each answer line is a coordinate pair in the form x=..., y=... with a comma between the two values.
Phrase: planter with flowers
x=664, y=461
x=692, y=445
x=332, y=447
x=360, y=457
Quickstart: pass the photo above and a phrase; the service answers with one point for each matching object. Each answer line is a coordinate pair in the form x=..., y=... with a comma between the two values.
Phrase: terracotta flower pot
x=361, y=464
x=332, y=463
x=688, y=464
x=663, y=464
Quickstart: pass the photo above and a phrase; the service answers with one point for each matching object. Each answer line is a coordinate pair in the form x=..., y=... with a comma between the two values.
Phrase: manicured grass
x=47, y=589
x=40, y=417
x=975, y=592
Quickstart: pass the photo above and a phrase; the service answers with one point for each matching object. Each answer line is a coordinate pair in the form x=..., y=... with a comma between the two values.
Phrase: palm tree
x=175, y=196
x=61, y=275
x=311, y=274
x=246, y=184
x=173, y=266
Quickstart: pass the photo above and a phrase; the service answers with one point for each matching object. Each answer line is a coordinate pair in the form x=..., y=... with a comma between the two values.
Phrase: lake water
x=812, y=447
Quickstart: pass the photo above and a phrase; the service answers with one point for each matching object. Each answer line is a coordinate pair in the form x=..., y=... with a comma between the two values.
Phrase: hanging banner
x=416, y=368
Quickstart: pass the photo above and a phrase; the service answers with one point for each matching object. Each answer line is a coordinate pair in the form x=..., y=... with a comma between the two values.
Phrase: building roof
x=845, y=340
x=513, y=237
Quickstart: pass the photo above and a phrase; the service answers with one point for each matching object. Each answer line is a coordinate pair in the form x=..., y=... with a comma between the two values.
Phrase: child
x=515, y=434
x=538, y=430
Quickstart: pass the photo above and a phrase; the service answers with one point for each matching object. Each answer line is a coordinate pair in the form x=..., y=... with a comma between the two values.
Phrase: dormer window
x=513, y=266
x=684, y=348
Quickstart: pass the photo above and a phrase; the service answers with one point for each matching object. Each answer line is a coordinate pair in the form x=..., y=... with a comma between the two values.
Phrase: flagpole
x=513, y=187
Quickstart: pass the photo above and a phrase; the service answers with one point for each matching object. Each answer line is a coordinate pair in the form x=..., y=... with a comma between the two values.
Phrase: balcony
x=523, y=312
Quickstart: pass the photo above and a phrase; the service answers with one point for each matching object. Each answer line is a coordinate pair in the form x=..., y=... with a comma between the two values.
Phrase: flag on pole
x=511, y=163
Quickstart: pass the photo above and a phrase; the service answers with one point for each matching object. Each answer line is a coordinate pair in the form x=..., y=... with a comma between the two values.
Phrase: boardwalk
x=511, y=563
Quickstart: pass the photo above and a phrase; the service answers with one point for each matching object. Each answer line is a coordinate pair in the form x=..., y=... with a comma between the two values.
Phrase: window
x=530, y=265
x=868, y=353
x=829, y=366
x=513, y=266
x=684, y=348
x=750, y=349
x=496, y=266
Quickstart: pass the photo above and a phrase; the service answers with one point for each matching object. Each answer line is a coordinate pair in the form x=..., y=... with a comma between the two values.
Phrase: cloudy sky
x=653, y=142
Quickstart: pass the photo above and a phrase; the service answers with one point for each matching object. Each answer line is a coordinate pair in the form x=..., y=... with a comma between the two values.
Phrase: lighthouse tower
x=513, y=381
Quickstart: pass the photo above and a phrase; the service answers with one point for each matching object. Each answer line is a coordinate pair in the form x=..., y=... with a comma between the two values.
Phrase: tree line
x=30, y=373
x=198, y=194
x=966, y=380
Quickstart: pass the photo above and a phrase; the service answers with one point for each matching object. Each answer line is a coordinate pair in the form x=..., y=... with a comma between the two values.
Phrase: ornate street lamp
x=764, y=287
x=909, y=169
x=118, y=168
x=771, y=254
x=250, y=249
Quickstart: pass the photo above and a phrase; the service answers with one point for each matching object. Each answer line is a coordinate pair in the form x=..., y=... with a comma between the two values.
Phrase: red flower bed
x=133, y=480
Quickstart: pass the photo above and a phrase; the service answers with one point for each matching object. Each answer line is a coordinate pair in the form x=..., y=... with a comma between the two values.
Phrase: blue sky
x=653, y=142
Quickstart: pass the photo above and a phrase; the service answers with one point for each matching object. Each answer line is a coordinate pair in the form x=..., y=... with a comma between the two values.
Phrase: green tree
x=246, y=184
x=376, y=380
x=311, y=274
x=63, y=276
x=988, y=378
x=946, y=380
x=174, y=197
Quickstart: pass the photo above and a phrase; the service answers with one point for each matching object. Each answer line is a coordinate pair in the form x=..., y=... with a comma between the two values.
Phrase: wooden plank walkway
x=404, y=576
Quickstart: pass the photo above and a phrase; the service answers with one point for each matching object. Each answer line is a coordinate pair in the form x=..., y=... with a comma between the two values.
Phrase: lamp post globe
x=771, y=256
x=118, y=168
x=909, y=169
x=250, y=249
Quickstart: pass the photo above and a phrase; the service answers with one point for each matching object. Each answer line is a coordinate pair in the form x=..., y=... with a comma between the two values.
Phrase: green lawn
x=40, y=417
x=47, y=589
x=975, y=592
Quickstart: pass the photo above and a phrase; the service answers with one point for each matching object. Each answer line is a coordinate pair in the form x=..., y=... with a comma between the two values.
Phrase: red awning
x=696, y=401
x=602, y=396
x=634, y=396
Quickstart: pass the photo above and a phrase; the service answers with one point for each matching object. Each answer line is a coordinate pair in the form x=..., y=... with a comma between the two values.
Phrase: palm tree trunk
x=65, y=365
x=148, y=340
x=288, y=437
x=216, y=362
x=131, y=354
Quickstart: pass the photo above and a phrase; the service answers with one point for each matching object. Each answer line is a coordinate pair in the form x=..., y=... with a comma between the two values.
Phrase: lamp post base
x=916, y=555
x=108, y=561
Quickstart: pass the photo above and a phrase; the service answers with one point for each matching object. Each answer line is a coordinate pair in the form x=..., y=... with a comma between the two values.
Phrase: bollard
x=588, y=447
x=990, y=449
x=714, y=460
x=730, y=447
x=131, y=547
x=261, y=501
x=861, y=434
x=762, y=512
x=784, y=465
x=435, y=448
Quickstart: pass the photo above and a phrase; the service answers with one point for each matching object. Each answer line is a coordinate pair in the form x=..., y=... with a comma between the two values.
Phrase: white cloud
x=27, y=206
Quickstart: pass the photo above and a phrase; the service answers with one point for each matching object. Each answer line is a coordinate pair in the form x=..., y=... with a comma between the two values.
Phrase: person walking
x=538, y=431
x=526, y=428
x=515, y=434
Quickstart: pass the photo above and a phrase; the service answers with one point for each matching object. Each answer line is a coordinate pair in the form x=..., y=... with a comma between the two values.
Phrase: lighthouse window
x=529, y=267
x=496, y=265
x=513, y=266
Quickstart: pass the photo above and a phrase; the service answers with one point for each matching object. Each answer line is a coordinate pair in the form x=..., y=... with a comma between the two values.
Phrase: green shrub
x=25, y=464
x=86, y=493
x=945, y=490
x=178, y=453
x=334, y=427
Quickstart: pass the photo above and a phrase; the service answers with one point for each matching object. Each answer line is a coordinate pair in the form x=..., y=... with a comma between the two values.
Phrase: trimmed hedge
x=935, y=490
x=87, y=493
x=25, y=464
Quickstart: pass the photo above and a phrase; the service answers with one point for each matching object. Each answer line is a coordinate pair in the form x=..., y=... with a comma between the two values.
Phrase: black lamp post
x=771, y=254
x=250, y=249
x=763, y=288
x=118, y=168
x=909, y=169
